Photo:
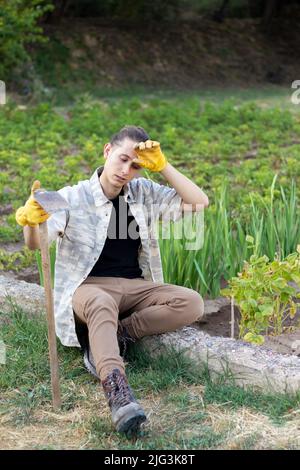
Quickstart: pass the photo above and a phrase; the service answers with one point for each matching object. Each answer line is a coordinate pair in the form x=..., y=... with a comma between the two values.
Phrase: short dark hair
x=135, y=133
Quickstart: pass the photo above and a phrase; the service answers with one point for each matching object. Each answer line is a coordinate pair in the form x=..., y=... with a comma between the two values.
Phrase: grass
x=185, y=408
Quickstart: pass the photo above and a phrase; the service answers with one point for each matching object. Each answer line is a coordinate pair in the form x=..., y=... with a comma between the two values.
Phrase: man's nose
x=126, y=168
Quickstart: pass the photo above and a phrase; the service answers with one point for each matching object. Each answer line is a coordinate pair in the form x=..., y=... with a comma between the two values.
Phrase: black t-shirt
x=119, y=257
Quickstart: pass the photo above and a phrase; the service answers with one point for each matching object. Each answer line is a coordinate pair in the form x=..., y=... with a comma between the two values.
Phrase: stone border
x=250, y=366
x=29, y=297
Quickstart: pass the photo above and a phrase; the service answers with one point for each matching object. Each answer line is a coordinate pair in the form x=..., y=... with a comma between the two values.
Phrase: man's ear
x=106, y=150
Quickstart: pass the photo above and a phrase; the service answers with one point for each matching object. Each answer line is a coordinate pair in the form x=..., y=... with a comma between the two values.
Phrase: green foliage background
x=19, y=27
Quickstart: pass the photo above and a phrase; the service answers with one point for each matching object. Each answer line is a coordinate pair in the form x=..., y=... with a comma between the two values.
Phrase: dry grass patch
x=178, y=418
x=245, y=428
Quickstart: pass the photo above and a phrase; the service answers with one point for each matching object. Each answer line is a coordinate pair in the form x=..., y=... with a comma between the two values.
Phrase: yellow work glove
x=32, y=213
x=150, y=155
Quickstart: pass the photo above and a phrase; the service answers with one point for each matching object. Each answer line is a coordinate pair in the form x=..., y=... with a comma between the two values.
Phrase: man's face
x=119, y=168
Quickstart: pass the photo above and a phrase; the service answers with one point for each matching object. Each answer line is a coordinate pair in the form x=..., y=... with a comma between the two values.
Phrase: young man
x=108, y=273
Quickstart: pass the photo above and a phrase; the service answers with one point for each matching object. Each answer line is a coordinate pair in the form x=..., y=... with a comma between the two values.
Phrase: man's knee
x=189, y=305
x=195, y=308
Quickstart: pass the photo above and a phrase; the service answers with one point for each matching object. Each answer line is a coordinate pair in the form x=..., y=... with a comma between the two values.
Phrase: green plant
x=18, y=27
x=263, y=293
x=17, y=260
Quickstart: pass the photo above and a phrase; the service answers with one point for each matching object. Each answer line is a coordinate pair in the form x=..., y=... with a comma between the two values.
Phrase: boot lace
x=117, y=390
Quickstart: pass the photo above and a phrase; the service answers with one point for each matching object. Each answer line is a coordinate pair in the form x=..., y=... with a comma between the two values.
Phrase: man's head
x=119, y=153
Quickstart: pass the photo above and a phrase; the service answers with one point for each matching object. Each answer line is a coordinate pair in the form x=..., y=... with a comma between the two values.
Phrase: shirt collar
x=98, y=193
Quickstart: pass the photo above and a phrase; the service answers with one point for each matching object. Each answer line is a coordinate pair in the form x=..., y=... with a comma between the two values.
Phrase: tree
x=18, y=27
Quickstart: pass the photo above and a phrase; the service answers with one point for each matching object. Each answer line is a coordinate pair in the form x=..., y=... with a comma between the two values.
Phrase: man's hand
x=32, y=213
x=150, y=155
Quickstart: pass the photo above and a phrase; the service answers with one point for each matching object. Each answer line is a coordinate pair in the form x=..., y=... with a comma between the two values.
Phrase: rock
x=295, y=346
x=30, y=297
x=286, y=343
x=249, y=365
x=214, y=306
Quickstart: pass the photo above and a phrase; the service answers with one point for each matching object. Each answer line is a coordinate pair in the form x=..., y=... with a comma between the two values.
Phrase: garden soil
x=218, y=324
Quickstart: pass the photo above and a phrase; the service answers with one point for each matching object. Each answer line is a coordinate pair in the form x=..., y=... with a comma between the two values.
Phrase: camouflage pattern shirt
x=80, y=233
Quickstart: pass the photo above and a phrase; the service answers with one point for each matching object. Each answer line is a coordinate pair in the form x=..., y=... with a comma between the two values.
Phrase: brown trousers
x=144, y=308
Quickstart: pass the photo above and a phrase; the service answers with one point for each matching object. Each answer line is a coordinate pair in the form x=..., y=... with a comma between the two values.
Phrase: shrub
x=264, y=294
x=18, y=27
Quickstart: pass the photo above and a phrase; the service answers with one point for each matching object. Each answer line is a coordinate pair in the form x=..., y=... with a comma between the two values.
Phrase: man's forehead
x=127, y=149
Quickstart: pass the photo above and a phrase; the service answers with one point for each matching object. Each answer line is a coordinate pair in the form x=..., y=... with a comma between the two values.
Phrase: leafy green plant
x=18, y=27
x=17, y=260
x=264, y=294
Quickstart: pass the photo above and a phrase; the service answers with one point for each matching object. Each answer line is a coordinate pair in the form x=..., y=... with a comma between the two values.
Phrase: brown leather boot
x=127, y=414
